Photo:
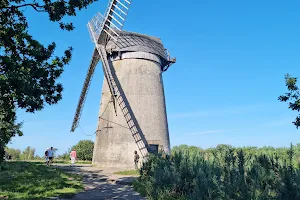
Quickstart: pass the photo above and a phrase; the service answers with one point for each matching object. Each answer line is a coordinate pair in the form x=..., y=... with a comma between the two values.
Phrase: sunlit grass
x=29, y=180
x=129, y=172
x=62, y=161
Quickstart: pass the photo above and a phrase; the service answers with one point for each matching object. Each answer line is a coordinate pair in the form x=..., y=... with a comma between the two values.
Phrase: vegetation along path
x=102, y=183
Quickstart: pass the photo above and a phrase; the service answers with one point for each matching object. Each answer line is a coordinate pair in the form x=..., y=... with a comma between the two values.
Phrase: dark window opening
x=153, y=148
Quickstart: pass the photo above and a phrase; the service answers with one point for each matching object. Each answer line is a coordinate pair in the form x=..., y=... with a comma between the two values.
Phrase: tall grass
x=222, y=174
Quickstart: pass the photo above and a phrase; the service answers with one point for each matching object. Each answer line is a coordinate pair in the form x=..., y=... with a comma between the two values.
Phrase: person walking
x=50, y=155
x=46, y=157
x=73, y=157
x=136, y=159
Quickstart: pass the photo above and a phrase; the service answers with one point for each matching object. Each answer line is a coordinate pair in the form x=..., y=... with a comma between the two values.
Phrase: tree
x=28, y=153
x=38, y=157
x=29, y=70
x=14, y=153
x=8, y=127
x=292, y=97
x=65, y=156
x=84, y=149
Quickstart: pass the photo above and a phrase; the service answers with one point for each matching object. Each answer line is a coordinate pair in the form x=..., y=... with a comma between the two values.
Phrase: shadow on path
x=102, y=184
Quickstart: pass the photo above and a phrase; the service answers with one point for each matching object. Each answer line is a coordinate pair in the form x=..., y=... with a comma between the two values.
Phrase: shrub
x=224, y=173
x=84, y=149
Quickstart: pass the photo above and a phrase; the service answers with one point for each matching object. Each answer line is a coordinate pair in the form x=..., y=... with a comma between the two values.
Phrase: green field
x=31, y=180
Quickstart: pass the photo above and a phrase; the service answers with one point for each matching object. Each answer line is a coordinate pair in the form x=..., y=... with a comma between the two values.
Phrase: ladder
x=122, y=101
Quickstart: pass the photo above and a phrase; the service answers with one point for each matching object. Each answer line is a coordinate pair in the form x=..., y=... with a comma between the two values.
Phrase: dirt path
x=102, y=183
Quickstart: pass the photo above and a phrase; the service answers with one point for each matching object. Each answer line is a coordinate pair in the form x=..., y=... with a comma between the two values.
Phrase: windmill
x=119, y=50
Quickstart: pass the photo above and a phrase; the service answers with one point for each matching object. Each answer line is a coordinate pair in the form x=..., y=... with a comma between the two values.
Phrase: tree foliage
x=14, y=153
x=27, y=154
x=28, y=69
x=65, y=156
x=292, y=97
x=84, y=149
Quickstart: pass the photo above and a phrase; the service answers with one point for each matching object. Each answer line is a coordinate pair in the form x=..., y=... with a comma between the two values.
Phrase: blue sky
x=231, y=60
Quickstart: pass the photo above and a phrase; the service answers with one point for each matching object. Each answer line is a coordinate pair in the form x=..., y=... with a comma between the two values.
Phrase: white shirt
x=50, y=153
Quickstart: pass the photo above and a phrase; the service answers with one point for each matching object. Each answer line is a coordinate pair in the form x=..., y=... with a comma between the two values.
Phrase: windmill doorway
x=153, y=148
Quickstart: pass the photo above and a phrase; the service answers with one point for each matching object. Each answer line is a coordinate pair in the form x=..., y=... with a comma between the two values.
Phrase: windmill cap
x=136, y=42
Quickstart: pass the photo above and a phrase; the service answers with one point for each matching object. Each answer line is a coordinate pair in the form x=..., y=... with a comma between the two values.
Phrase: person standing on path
x=50, y=155
x=136, y=159
x=73, y=157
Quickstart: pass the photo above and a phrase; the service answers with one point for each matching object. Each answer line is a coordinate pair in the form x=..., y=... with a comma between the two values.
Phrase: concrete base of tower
x=141, y=81
x=117, y=155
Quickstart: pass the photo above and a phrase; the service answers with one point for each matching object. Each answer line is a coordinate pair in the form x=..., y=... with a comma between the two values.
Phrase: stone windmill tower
x=132, y=109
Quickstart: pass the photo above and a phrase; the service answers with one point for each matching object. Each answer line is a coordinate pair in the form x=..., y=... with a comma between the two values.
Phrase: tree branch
x=34, y=6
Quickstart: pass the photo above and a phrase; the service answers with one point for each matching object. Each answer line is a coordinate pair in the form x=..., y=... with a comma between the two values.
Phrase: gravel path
x=102, y=183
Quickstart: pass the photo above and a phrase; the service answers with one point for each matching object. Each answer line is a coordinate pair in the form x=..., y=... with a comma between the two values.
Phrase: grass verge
x=62, y=161
x=129, y=172
x=30, y=180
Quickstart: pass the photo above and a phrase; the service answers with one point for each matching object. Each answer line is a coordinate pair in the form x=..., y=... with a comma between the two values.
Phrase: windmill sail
x=103, y=28
x=94, y=61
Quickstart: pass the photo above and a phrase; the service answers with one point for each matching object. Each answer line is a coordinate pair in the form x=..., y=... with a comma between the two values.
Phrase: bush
x=84, y=149
x=224, y=173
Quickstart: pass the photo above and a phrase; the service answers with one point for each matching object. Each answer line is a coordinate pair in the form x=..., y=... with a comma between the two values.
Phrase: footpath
x=102, y=183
